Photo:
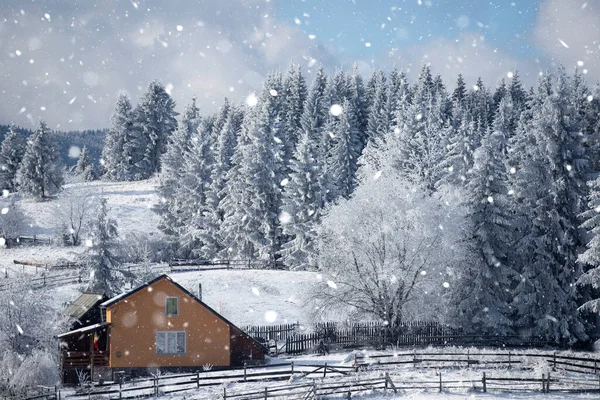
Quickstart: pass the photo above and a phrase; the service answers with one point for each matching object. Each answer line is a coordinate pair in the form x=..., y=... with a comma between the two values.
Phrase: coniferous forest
x=513, y=169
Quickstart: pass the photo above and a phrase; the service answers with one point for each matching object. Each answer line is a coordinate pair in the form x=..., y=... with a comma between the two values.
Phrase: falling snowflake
x=285, y=217
x=251, y=100
x=332, y=284
x=273, y=92
x=336, y=110
x=563, y=43
x=5, y=210
x=255, y=291
x=446, y=285
x=271, y=316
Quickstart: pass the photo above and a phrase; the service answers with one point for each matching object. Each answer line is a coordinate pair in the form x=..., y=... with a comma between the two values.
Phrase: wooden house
x=158, y=325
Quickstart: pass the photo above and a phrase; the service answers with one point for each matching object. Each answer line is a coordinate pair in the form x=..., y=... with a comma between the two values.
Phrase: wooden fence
x=410, y=333
x=228, y=264
x=28, y=241
x=272, y=332
x=358, y=377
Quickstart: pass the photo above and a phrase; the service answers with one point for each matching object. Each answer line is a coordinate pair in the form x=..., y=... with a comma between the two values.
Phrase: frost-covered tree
x=155, y=121
x=101, y=257
x=383, y=252
x=343, y=159
x=193, y=194
x=85, y=169
x=301, y=207
x=173, y=169
x=119, y=152
x=251, y=226
x=379, y=120
x=294, y=92
x=11, y=155
x=40, y=174
x=545, y=298
x=591, y=257
x=483, y=294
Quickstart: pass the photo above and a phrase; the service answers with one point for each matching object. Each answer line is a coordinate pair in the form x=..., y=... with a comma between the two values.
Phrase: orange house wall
x=136, y=319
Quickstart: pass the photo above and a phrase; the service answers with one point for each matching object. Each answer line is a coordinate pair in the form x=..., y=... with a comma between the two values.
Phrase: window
x=171, y=307
x=170, y=342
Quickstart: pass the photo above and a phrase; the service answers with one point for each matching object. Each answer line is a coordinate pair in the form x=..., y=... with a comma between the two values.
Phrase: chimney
x=200, y=291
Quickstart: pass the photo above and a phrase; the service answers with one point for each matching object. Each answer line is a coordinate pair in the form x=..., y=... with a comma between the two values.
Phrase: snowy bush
x=40, y=368
x=13, y=222
x=141, y=247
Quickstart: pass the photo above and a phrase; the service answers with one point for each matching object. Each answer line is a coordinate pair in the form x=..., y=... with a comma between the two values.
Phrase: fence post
x=484, y=385
x=266, y=393
x=509, y=363
x=441, y=381
x=325, y=370
x=548, y=383
x=197, y=379
x=244, y=371
x=554, y=367
x=387, y=377
x=224, y=393
x=292, y=365
x=543, y=383
x=120, y=387
x=595, y=369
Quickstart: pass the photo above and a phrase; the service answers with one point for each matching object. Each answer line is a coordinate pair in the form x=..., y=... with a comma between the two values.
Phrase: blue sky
x=67, y=60
x=383, y=24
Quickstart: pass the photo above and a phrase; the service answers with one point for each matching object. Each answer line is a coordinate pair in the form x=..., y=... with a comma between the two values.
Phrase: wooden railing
x=82, y=359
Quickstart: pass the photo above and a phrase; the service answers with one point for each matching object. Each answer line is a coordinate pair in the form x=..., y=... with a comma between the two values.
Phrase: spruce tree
x=545, y=298
x=40, y=174
x=172, y=171
x=118, y=153
x=591, y=257
x=483, y=297
x=155, y=122
x=301, y=207
x=11, y=155
x=101, y=257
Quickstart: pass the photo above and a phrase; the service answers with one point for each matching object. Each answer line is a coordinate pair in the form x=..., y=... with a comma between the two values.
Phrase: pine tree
x=101, y=257
x=591, y=257
x=345, y=152
x=155, y=122
x=85, y=169
x=545, y=298
x=251, y=227
x=11, y=155
x=358, y=97
x=460, y=93
x=40, y=174
x=118, y=153
x=172, y=171
x=192, y=193
x=301, y=207
x=484, y=292
x=294, y=95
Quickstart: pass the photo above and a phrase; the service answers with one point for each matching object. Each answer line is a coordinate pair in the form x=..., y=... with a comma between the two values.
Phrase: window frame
x=174, y=336
x=167, y=306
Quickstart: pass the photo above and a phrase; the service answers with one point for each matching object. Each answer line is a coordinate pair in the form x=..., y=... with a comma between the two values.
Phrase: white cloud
x=225, y=49
x=575, y=24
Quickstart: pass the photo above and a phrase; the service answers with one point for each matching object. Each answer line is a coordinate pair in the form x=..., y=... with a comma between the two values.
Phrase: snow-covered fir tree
x=85, y=169
x=545, y=298
x=343, y=160
x=40, y=174
x=301, y=207
x=11, y=155
x=155, y=121
x=591, y=257
x=483, y=293
x=192, y=194
x=119, y=153
x=101, y=258
x=172, y=171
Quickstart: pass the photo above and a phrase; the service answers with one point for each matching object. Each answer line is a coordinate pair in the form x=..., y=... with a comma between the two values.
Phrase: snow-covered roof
x=83, y=304
x=84, y=329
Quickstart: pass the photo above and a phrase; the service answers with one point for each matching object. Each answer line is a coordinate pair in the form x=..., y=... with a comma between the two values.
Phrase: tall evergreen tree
x=294, y=95
x=345, y=152
x=101, y=257
x=483, y=295
x=118, y=153
x=40, y=174
x=192, y=193
x=591, y=256
x=11, y=155
x=155, y=122
x=301, y=207
x=172, y=171
x=545, y=298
